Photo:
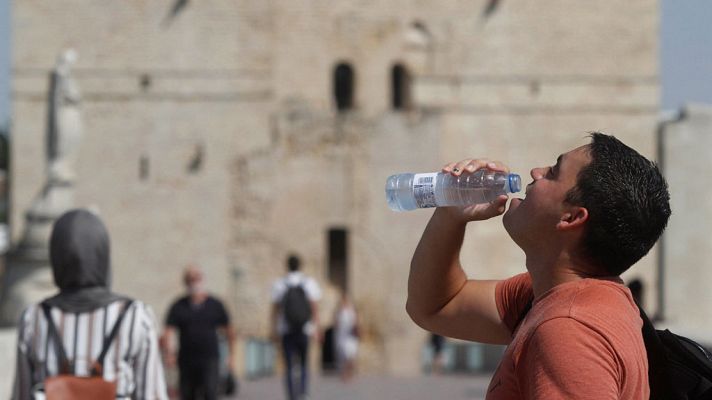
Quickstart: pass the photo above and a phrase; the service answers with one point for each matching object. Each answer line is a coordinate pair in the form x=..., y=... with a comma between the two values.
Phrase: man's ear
x=573, y=218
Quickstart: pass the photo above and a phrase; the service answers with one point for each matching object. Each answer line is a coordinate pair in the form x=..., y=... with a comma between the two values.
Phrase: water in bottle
x=406, y=192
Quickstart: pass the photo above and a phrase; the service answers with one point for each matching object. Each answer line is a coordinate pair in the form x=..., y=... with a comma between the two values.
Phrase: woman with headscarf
x=83, y=314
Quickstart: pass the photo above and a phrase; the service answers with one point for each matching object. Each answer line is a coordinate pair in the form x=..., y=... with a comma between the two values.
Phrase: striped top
x=133, y=360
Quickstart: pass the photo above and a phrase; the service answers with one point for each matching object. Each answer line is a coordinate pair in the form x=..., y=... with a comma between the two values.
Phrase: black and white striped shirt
x=133, y=360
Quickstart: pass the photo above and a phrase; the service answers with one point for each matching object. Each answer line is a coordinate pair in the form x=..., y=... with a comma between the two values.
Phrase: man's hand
x=476, y=212
x=230, y=362
x=168, y=347
x=231, y=336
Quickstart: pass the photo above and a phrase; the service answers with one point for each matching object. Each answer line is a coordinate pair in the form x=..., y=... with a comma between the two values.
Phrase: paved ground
x=375, y=388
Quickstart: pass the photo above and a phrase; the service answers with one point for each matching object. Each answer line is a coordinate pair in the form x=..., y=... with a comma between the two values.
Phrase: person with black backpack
x=294, y=320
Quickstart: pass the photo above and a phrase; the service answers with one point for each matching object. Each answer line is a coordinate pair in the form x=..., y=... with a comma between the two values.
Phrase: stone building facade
x=231, y=133
x=685, y=263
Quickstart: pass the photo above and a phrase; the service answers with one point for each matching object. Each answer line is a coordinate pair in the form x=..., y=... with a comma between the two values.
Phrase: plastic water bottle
x=405, y=192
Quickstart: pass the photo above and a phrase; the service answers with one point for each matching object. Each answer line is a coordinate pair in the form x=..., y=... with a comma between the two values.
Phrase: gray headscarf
x=79, y=254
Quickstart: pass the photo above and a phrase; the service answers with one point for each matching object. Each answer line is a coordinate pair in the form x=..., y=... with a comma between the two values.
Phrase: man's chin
x=509, y=219
x=513, y=205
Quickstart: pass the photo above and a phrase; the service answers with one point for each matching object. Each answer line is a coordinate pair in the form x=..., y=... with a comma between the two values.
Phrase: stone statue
x=64, y=121
x=28, y=277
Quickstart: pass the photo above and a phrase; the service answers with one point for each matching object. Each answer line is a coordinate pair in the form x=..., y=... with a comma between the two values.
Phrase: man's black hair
x=293, y=263
x=627, y=201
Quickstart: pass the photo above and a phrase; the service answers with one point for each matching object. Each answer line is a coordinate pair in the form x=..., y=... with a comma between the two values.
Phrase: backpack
x=678, y=367
x=68, y=386
x=296, y=308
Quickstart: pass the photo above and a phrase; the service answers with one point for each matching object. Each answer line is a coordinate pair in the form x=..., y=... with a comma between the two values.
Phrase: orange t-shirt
x=580, y=340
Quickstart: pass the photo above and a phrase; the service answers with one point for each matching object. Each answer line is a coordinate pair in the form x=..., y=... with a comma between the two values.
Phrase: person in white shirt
x=346, y=336
x=294, y=319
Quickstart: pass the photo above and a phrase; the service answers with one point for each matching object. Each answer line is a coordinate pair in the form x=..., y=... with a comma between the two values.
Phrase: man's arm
x=168, y=345
x=230, y=335
x=315, y=320
x=226, y=329
x=440, y=297
x=274, y=313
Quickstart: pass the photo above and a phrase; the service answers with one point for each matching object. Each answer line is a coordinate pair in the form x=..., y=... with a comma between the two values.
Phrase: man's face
x=192, y=278
x=534, y=219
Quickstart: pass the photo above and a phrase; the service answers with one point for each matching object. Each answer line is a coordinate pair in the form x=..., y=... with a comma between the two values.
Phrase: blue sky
x=686, y=52
x=685, y=44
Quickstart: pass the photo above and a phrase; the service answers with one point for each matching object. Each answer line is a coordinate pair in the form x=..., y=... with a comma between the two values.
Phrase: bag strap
x=97, y=366
x=64, y=365
x=650, y=334
x=99, y=363
x=657, y=360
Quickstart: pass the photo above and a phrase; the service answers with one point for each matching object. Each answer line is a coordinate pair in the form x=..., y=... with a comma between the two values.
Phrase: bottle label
x=424, y=189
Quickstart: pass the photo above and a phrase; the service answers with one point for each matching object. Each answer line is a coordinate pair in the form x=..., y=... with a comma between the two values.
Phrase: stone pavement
x=372, y=387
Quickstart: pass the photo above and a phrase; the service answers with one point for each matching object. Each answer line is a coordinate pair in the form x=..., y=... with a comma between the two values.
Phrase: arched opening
x=400, y=87
x=344, y=86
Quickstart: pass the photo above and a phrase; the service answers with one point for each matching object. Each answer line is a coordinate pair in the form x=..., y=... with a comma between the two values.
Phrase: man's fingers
x=471, y=165
x=501, y=204
x=449, y=167
x=497, y=206
x=497, y=166
x=467, y=165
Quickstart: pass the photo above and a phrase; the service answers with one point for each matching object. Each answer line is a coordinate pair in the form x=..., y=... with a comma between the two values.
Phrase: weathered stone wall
x=172, y=93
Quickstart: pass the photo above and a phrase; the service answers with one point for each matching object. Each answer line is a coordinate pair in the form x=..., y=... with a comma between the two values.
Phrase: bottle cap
x=514, y=183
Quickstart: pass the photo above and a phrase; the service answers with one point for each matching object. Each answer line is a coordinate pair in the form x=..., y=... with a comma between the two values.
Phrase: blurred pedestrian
x=86, y=311
x=346, y=334
x=437, y=343
x=198, y=317
x=294, y=319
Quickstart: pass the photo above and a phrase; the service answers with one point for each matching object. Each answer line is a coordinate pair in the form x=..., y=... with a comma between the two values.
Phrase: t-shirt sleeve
x=278, y=289
x=512, y=296
x=172, y=317
x=223, y=318
x=313, y=290
x=564, y=359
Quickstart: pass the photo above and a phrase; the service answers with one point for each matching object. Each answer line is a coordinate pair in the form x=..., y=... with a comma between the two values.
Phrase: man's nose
x=536, y=173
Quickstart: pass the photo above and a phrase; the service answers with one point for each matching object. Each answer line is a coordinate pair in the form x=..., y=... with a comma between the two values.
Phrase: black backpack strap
x=64, y=365
x=657, y=360
x=99, y=363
